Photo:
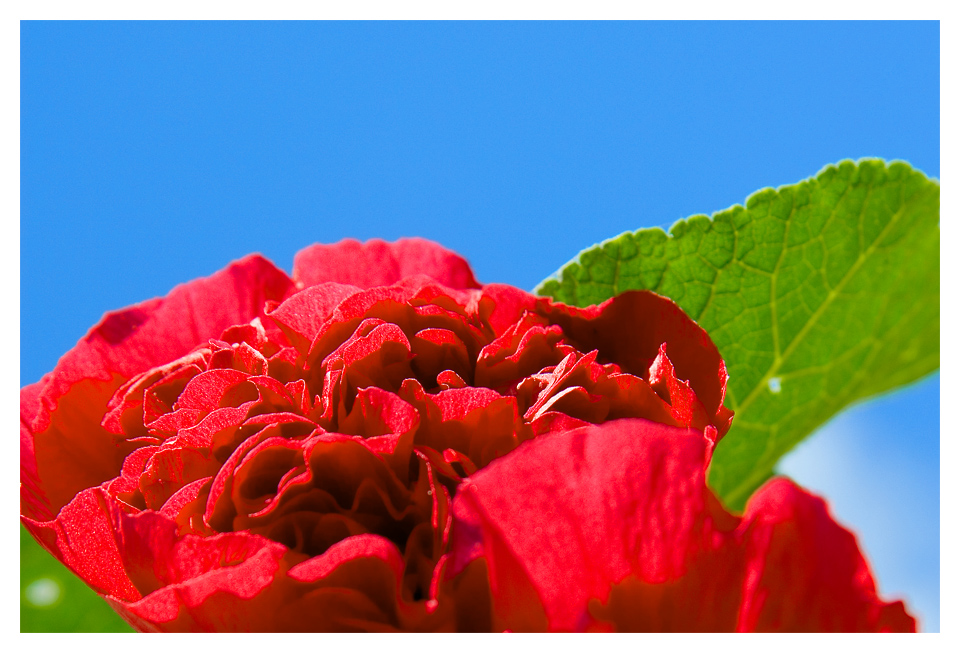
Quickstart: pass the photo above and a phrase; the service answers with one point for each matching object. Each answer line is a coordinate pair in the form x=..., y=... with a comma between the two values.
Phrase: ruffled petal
x=630, y=330
x=72, y=451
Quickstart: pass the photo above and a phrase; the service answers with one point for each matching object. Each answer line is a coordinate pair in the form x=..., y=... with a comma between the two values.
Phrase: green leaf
x=53, y=600
x=817, y=295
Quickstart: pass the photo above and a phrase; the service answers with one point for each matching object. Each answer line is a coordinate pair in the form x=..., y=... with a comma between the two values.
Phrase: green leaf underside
x=817, y=295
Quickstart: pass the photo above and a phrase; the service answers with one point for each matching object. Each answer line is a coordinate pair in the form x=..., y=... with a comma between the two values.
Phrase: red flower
x=255, y=452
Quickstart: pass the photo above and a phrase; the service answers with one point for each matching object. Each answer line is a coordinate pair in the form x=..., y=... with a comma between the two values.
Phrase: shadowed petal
x=630, y=328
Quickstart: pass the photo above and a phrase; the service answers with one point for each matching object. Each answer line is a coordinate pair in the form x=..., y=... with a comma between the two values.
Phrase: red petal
x=126, y=487
x=218, y=429
x=170, y=469
x=158, y=399
x=212, y=389
x=460, y=402
x=365, y=546
x=301, y=316
x=448, y=380
x=82, y=538
x=379, y=263
x=412, y=305
x=378, y=412
x=437, y=351
x=241, y=583
x=220, y=511
x=685, y=407
x=33, y=500
x=240, y=357
x=169, y=423
x=610, y=499
x=478, y=422
x=260, y=476
x=72, y=450
x=502, y=306
x=128, y=410
x=184, y=496
x=805, y=572
x=520, y=351
x=371, y=336
x=551, y=421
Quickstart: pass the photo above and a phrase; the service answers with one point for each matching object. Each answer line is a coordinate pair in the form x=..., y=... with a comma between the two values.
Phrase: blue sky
x=154, y=153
